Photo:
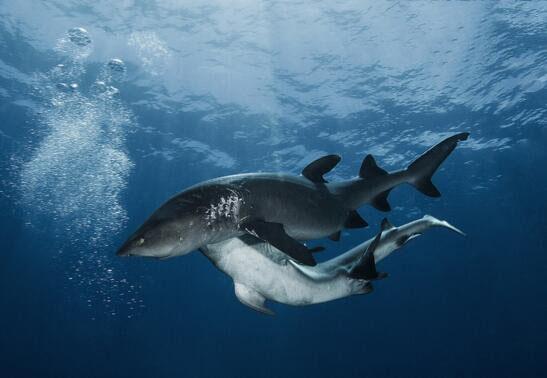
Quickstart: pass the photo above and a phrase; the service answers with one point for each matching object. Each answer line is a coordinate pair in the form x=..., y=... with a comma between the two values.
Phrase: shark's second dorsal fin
x=317, y=168
x=369, y=168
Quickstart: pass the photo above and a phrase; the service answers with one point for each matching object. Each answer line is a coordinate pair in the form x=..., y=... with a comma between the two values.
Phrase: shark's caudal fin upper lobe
x=421, y=169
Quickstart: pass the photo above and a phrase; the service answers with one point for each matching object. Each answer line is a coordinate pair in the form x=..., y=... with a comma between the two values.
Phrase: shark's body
x=281, y=209
x=261, y=272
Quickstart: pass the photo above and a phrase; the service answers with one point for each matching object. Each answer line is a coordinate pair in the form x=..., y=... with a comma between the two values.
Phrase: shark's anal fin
x=251, y=298
x=275, y=234
x=317, y=168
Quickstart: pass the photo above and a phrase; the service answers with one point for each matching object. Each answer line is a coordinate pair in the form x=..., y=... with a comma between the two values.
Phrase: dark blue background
x=451, y=306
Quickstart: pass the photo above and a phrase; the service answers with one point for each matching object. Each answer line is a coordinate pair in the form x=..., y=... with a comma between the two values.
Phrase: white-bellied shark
x=262, y=272
x=278, y=208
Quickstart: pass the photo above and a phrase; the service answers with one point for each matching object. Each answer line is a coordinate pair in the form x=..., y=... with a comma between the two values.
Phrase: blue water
x=90, y=146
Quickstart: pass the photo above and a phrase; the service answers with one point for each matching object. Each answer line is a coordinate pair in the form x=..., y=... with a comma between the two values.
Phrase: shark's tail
x=375, y=183
x=422, y=169
x=441, y=223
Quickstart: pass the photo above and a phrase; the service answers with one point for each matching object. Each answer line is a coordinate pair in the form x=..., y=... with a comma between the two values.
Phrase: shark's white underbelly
x=276, y=279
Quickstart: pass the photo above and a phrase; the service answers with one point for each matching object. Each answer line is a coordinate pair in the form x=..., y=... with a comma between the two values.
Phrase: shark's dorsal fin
x=317, y=168
x=251, y=298
x=365, y=268
x=369, y=168
x=386, y=225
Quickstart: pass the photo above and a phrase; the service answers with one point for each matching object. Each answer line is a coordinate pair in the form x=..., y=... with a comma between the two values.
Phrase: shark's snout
x=124, y=250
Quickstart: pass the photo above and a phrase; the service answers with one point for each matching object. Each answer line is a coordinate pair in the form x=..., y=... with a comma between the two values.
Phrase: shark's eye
x=140, y=242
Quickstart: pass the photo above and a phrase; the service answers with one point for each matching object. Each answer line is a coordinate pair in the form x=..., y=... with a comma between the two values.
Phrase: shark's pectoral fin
x=275, y=234
x=251, y=298
x=317, y=168
x=354, y=220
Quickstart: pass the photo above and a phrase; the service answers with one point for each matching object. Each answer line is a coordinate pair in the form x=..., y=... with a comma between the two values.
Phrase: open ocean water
x=108, y=108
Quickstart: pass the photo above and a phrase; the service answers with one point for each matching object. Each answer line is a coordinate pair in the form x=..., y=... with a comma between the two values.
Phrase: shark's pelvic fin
x=354, y=220
x=251, y=298
x=317, y=168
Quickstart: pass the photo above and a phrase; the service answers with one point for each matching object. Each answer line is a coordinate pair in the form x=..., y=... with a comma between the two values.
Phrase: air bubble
x=111, y=91
x=116, y=65
x=79, y=36
x=63, y=87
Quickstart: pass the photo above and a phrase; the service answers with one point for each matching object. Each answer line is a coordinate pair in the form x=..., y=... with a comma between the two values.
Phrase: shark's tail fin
x=422, y=169
x=441, y=223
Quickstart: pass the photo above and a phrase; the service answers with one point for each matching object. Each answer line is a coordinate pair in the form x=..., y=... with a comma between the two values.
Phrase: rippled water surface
x=109, y=108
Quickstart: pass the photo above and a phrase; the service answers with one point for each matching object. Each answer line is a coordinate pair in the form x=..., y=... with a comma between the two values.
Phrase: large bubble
x=116, y=65
x=115, y=71
x=76, y=44
x=79, y=36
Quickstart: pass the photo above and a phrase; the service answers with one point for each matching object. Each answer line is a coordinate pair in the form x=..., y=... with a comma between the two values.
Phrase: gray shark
x=278, y=208
x=261, y=272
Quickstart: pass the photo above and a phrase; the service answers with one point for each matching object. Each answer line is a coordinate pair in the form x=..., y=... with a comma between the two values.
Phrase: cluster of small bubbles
x=79, y=36
x=76, y=174
x=151, y=50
